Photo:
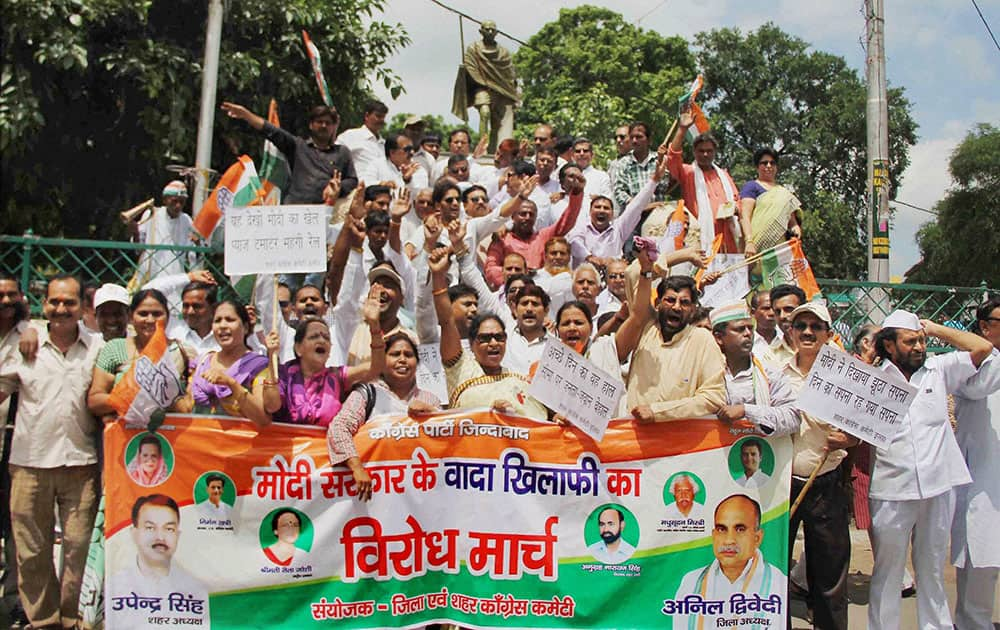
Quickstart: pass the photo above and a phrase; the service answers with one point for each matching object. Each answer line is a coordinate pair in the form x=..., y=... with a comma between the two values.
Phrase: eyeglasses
x=991, y=319
x=619, y=136
x=283, y=303
x=459, y=169
x=817, y=326
x=616, y=276
x=477, y=199
x=485, y=338
x=766, y=163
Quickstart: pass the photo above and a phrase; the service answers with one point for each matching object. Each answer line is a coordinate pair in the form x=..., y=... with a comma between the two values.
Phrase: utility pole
x=206, y=118
x=877, y=202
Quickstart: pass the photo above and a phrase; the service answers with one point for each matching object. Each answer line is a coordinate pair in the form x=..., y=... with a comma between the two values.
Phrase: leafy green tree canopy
x=960, y=247
x=590, y=71
x=767, y=88
x=97, y=97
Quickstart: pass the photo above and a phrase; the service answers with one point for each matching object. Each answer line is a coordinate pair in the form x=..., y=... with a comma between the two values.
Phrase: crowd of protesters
x=489, y=259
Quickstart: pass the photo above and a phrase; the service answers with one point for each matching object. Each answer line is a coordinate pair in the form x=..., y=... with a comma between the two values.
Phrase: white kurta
x=977, y=509
x=923, y=459
x=763, y=579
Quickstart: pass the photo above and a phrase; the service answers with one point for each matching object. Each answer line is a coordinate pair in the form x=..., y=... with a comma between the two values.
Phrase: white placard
x=275, y=239
x=576, y=388
x=430, y=371
x=730, y=287
x=856, y=397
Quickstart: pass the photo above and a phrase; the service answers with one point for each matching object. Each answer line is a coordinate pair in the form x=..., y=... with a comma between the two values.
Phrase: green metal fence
x=33, y=259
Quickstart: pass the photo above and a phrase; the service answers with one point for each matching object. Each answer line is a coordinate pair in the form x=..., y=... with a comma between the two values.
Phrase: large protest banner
x=478, y=519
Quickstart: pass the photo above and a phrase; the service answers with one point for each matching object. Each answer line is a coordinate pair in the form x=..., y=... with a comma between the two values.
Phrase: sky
x=938, y=50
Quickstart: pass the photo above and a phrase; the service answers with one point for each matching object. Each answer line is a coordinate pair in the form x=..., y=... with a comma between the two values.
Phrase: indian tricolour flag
x=238, y=186
x=274, y=171
x=688, y=101
x=317, y=67
x=787, y=264
x=150, y=386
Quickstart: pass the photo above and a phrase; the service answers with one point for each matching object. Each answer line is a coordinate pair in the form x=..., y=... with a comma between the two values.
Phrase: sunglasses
x=450, y=200
x=283, y=303
x=620, y=137
x=615, y=276
x=816, y=326
x=477, y=199
x=484, y=338
x=766, y=163
x=409, y=149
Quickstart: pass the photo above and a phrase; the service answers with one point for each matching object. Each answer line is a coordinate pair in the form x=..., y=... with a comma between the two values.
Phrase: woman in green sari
x=771, y=214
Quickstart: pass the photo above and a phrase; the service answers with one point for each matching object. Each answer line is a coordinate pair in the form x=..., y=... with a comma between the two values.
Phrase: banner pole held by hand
x=809, y=483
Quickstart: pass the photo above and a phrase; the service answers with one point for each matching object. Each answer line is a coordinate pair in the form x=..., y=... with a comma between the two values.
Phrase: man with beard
x=677, y=371
x=824, y=509
x=623, y=146
x=739, y=567
x=611, y=548
x=684, y=488
x=313, y=160
x=755, y=391
x=913, y=484
x=785, y=298
x=156, y=522
x=587, y=285
x=527, y=339
x=194, y=331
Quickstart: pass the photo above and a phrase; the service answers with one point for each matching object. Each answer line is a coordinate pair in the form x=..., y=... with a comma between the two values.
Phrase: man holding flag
x=709, y=192
x=313, y=160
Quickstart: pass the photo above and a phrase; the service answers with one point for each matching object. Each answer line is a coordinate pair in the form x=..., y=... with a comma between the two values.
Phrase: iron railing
x=33, y=259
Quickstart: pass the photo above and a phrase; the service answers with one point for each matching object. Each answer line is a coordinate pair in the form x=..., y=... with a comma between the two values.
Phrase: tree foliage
x=590, y=71
x=960, y=247
x=97, y=97
x=767, y=88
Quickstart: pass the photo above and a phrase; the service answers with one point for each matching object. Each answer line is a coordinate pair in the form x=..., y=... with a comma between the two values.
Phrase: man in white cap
x=975, y=547
x=111, y=303
x=912, y=493
x=387, y=286
x=164, y=225
x=819, y=447
x=755, y=391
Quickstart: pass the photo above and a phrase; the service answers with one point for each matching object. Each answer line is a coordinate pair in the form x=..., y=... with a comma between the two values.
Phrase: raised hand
x=358, y=203
x=372, y=307
x=661, y=165
x=332, y=189
x=201, y=275
x=432, y=230
x=401, y=205
x=272, y=342
x=529, y=186
x=481, y=146
x=438, y=261
x=456, y=233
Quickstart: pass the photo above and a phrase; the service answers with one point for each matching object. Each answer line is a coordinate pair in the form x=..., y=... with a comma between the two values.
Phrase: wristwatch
x=648, y=275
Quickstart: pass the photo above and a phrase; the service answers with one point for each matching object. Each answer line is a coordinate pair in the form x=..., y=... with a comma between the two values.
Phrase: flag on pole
x=274, y=171
x=150, y=386
x=676, y=229
x=688, y=101
x=238, y=186
x=692, y=93
x=787, y=264
x=317, y=65
x=700, y=125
